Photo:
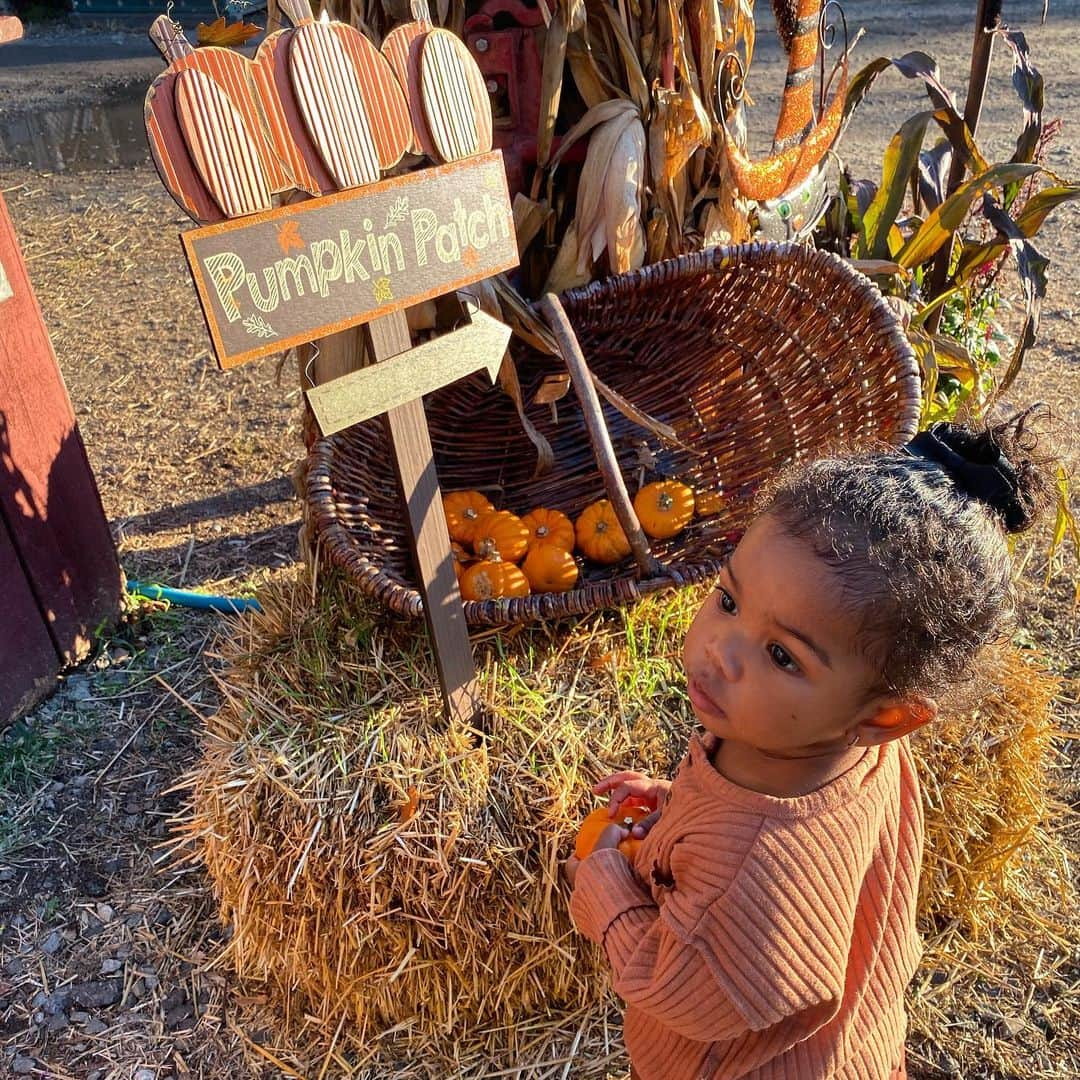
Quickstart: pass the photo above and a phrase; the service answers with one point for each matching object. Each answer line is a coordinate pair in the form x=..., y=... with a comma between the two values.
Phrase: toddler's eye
x=726, y=600
x=782, y=658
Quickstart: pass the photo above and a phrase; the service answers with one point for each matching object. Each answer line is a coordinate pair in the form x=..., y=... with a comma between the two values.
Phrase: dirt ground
x=104, y=941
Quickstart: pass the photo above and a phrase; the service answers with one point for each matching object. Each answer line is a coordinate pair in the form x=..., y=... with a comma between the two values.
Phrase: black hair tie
x=977, y=467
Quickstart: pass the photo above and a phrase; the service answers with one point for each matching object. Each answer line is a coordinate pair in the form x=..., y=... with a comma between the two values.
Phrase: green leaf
x=1038, y=207
x=940, y=300
x=933, y=174
x=901, y=159
x=1029, y=221
x=954, y=359
x=973, y=257
x=1028, y=84
x=943, y=222
x=860, y=86
x=923, y=347
x=961, y=139
x=919, y=65
x=1065, y=524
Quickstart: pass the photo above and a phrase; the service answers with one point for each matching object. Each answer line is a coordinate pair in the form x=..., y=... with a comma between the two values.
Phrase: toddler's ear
x=895, y=718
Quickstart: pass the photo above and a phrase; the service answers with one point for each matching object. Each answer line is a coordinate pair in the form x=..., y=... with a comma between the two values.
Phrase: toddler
x=766, y=928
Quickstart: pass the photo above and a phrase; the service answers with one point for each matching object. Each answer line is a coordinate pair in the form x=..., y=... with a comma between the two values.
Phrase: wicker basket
x=755, y=355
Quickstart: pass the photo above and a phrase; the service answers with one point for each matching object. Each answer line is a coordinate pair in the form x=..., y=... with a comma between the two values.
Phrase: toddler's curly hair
x=916, y=538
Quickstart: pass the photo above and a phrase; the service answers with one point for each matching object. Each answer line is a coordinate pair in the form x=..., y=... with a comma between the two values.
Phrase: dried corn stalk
x=647, y=75
x=609, y=197
x=642, y=75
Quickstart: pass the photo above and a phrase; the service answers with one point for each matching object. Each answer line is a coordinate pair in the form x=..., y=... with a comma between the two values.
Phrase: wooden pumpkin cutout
x=396, y=47
x=455, y=99
x=413, y=70
x=172, y=159
x=220, y=145
x=349, y=98
x=332, y=107
x=223, y=93
x=273, y=83
x=382, y=94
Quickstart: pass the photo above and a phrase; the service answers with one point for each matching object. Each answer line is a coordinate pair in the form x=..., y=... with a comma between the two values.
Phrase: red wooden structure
x=506, y=39
x=59, y=577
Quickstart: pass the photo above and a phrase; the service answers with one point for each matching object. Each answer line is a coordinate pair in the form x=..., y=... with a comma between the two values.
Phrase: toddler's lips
x=701, y=700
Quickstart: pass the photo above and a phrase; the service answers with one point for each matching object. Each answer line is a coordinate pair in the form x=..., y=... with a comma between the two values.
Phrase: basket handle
x=581, y=377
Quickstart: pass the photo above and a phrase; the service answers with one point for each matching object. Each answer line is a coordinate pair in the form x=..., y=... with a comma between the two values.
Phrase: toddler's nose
x=724, y=655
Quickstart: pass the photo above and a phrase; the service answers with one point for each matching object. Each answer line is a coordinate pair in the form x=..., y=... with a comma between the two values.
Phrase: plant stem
x=987, y=18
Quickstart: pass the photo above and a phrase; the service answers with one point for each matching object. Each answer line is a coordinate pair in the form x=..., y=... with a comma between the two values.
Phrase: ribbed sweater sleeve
x=778, y=941
x=751, y=924
x=653, y=967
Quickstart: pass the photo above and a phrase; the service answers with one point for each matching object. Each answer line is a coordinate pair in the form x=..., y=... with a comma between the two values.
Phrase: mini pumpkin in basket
x=754, y=355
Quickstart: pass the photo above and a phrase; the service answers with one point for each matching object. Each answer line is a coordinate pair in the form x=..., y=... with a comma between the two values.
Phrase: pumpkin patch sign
x=317, y=118
x=302, y=271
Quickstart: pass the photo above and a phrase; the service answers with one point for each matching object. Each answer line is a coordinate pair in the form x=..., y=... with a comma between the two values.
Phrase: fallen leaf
x=407, y=810
x=217, y=33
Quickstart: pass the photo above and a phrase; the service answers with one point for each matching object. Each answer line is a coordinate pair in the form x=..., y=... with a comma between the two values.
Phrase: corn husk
x=623, y=188
x=656, y=60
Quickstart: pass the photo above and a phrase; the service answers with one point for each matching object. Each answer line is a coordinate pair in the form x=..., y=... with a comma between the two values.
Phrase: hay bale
x=996, y=903
x=985, y=779
x=394, y=880
x=384, y=870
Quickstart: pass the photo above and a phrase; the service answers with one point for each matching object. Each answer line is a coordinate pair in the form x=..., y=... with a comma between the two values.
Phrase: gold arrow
x=365, y=393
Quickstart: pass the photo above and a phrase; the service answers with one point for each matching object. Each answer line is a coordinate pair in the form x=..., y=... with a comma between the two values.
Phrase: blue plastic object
x=231, y=605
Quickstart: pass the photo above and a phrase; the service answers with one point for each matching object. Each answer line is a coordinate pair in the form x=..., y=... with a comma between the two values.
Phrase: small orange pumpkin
x=490, y=579
x=631, y=812
x=708, y=502
x=462, y=558
x=550, y=568
x=500, y=533
x=599, y=534
x=463, y=510
x=664, y=508
x=549, y=527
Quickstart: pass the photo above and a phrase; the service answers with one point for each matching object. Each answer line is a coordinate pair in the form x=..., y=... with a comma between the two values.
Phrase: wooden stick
x=169, y=39
x=581, y=377
x=429, y=537
x=987, y=18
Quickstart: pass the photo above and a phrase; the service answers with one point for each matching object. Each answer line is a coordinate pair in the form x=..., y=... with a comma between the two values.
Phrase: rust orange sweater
x=765, y=938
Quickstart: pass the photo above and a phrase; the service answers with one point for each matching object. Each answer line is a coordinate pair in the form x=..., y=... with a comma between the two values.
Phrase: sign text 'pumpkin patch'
x=299, y=272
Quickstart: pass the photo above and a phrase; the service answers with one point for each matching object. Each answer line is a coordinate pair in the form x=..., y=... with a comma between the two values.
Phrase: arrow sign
x=362, y=394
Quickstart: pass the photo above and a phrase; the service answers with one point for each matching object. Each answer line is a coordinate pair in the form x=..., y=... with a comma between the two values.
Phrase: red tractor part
x=506, y=37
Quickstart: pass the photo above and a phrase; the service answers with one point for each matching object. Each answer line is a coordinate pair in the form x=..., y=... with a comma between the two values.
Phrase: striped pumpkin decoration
x=332, y=106
x=455, y=100
x=221, y=145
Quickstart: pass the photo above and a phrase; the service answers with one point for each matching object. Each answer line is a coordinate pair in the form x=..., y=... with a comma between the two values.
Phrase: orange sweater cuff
x=605, y=889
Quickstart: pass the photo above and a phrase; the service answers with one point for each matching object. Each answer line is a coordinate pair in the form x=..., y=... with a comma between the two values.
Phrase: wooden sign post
x=320, y=111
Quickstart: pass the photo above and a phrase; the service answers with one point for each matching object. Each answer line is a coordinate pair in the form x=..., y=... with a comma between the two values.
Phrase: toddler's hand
x=621, y=786
x=640, y=829
x=611, y=837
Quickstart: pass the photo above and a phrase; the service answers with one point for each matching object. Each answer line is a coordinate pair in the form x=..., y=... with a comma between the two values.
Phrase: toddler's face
x=771, y=657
